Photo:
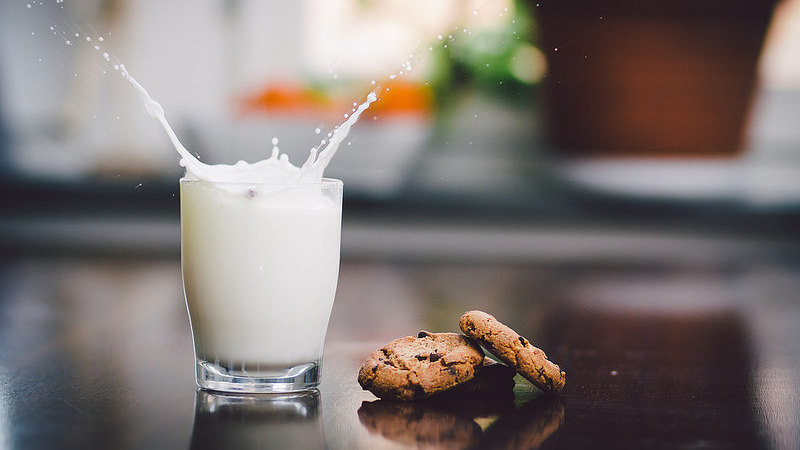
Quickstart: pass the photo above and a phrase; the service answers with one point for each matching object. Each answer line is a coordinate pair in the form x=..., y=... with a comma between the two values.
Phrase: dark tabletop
x=95, y=352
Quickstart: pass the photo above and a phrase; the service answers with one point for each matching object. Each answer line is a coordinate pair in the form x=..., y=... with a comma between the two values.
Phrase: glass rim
x=323, y=182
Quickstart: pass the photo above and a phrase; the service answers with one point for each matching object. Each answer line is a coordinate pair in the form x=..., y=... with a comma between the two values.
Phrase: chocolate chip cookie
x=416, y=367
x=514, y=350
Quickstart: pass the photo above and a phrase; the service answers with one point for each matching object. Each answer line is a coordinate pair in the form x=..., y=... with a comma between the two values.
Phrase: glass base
x=298, y=378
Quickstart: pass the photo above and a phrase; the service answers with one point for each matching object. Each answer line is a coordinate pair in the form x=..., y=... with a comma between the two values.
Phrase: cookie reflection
x=468, y=422
x=419, y=424
x=225, y=421
x=529, y=426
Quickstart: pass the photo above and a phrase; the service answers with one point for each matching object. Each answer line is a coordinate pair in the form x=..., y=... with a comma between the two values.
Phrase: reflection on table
x=257, y=421
x=96, y=353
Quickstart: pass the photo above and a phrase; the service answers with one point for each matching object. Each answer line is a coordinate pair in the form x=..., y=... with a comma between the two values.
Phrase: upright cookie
x=416, y=367
x=514, y=350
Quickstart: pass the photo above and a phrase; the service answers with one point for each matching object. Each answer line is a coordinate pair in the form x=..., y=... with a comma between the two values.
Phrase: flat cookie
x=514, y=350
x=415, y=367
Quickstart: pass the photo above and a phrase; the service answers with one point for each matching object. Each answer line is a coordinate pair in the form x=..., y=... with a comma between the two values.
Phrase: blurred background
x=509, y=107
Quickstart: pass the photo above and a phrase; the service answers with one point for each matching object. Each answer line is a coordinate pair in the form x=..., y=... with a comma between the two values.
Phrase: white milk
x=259, y=273
x=260, y=253
x=275, y=170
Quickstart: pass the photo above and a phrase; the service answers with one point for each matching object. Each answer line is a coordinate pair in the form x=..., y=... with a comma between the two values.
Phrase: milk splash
x=275, y=170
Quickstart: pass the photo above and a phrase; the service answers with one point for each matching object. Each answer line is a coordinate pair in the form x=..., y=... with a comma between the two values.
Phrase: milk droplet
x=116, y=66
x=372, y=82
x=100, y=39
x=68, y=42
x=439, y=37
x=317, y=130
x=88, y=39
x=392, y=76
x=77, y=35
x=274, y=141
x=105, y=56
x=474, y=12
x=97, y=47
x=346, y=115
x=28, y=6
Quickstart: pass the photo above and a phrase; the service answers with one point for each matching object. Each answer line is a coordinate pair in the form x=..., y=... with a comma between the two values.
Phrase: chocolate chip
x=420, y=357
x=435, y=357
x=523, y=341
x=423, y=334
x=452, y=370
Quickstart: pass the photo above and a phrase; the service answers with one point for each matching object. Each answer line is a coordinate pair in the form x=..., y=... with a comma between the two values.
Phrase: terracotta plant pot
x=650, y=77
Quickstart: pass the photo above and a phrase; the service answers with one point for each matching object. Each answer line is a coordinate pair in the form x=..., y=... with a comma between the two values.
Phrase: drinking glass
x=260, y=265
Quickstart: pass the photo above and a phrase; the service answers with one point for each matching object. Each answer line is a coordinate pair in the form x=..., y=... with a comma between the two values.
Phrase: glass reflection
x=223, y=421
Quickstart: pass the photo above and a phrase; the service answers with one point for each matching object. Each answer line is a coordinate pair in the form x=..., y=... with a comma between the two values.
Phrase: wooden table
x=95, y=352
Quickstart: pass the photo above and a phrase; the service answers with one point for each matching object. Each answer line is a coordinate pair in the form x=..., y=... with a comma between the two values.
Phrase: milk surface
x=260, y=273
x=275, y=170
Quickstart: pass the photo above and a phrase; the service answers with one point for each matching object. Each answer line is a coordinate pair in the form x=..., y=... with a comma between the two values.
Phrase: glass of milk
x=260, y=265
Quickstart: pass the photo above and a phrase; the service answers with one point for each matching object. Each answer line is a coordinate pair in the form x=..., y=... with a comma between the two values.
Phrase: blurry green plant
x=499, y=61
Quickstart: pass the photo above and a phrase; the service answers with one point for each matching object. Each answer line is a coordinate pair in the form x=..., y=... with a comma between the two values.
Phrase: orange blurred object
x=394, y=98
x=286, y=98
x=403, y=97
